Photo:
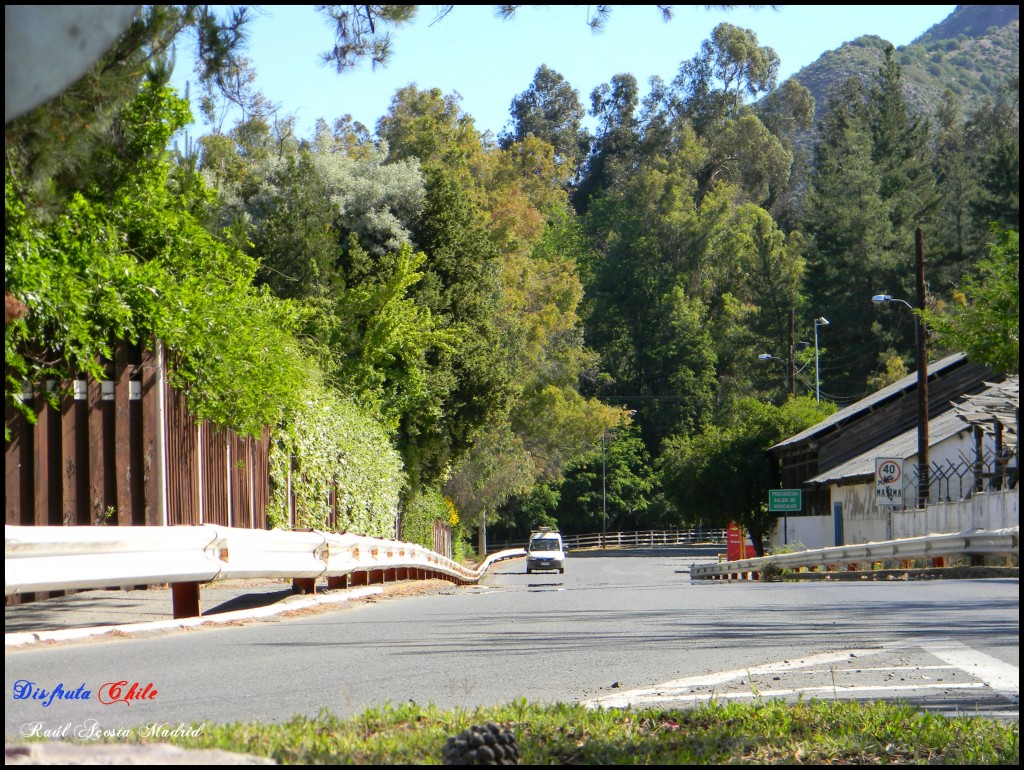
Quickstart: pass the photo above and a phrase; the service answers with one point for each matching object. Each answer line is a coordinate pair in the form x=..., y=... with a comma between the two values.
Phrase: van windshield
x=544, y=544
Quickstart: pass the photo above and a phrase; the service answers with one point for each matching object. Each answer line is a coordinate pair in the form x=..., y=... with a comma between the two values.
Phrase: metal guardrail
x=645, y=538
x=68, y=558
x=975, y=542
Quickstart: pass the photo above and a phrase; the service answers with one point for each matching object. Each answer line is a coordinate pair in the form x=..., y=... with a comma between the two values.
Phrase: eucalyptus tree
x=730, y=69
x=616, y=149
x=550, y=110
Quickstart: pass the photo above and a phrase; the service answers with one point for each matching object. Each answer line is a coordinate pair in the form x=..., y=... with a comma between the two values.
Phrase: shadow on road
x=660, y=551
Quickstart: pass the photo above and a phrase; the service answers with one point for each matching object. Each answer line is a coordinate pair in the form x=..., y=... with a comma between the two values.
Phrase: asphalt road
x=615, y=629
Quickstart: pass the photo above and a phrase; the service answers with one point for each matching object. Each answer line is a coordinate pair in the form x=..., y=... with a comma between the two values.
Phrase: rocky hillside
x=974, y=52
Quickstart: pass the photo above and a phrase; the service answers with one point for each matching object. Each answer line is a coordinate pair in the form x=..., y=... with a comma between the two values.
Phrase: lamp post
x=770, y=357
x=821, y=321
x=922, y=371
x=604, y=490
x=791, y=376
x=604, y=483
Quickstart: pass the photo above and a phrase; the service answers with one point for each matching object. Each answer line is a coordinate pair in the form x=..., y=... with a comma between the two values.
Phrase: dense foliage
x=983, y=318
x=557, y=328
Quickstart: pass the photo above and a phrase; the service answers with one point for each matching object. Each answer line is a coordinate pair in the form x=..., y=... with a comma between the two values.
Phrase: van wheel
x=561, y=571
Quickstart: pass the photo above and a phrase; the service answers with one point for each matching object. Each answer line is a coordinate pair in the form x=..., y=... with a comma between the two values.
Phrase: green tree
x=850, y=254
x=432, y=128
x=615, y=151
x=954, y=228
x=729, y=69
x=899, y=146
x=550, y=110
x=722, y=475
x=64, y=146
x=132, y=264
x=997, y=129
x=984, y=318
x=282, y=202
x=611, y=489
x=460, y=287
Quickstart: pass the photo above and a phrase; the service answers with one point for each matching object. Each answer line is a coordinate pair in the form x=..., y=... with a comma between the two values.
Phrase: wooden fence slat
x=16, y=487
x=152, y=490
x=95, y=454
x=41, y=461
x=94, y=421
x=122, y=437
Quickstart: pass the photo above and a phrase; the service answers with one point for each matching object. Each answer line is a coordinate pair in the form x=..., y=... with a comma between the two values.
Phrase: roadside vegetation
x=761, y=732
x=557, y=325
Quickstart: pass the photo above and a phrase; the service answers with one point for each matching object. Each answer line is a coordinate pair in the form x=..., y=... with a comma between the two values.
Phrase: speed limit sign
x=889, y=481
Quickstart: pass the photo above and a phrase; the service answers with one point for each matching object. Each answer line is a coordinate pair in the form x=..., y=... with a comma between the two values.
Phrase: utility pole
x=791, y=357
x=922, y=378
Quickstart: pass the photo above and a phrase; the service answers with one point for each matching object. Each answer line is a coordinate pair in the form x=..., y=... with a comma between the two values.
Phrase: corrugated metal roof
x=876, y=398
x=999, y=404
x=905, y=446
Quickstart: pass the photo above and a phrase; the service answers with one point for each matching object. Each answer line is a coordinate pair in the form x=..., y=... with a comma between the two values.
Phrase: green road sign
x=784, y=500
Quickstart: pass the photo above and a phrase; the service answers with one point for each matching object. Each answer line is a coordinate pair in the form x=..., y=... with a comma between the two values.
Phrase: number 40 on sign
x=889, y=481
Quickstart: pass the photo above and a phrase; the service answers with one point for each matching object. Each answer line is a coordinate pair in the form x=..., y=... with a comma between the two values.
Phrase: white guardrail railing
x=646, y=538
x=69, y=558
x=975, y=542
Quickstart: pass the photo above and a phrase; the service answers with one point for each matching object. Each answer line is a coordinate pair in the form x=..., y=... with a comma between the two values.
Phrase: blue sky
x=489, y=61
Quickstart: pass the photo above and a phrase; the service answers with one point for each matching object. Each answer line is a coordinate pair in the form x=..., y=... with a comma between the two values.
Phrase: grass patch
x=762, y=732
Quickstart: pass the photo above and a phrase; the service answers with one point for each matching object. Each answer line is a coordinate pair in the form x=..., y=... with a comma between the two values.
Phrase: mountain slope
x=974, y=53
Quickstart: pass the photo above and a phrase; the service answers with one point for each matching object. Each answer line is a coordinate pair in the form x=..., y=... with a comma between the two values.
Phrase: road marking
x=682, y=687
x=829, y=689
x=1002, y=677
x=988, y=671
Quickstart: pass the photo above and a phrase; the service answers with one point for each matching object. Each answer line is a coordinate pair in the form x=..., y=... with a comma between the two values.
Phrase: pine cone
x=482, y=745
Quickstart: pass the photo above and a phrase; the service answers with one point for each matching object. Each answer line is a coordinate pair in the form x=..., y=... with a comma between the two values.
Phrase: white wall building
x=965, y=441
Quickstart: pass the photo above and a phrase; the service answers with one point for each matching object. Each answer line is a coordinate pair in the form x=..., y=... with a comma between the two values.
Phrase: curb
x=290, y=604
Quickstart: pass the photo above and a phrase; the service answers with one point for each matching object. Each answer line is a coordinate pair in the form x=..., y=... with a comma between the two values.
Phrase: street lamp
x=882, y=298
x=822, y=321
x=793, y=375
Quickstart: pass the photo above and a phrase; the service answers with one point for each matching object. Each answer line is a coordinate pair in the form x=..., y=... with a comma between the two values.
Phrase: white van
x=545, y=550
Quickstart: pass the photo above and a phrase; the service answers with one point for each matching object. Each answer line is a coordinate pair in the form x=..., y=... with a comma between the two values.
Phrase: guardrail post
x=304, y=585
x=185, y=600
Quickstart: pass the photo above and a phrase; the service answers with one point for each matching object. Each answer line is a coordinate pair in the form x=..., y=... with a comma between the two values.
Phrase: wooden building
x=880, y=417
